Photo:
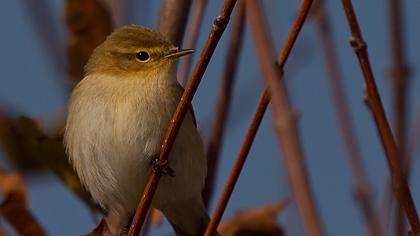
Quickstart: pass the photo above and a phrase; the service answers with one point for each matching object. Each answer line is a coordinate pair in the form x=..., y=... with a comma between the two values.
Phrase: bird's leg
x=161, y=166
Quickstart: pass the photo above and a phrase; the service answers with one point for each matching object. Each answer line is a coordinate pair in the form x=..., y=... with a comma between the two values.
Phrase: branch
x=399, y=75
x=239, y=163
x=361, y=182
x=14, y=207
x=224, y=100
x=413, y=145
x=283, y=116
x=88, y=23
x=261, y=33
x=173, y=19
x=399, y=182
x=192, y=37
x=217, y=30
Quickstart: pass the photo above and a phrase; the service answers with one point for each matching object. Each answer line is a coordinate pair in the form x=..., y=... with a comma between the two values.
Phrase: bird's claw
x=162, y=166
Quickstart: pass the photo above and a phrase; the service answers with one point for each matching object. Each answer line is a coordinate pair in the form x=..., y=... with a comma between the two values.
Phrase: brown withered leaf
x=261, y=221
x=88, y=23
x=14, y=207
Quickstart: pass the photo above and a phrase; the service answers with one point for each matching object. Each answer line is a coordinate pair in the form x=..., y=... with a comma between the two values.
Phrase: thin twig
x=146, y=228
x=252, y=130
x=413, y=145
x=173, y=19
x=218, y=28
x=399, y=182
x=239, y=163
x=361, y=182
x=15, y=208
x=285, y=120
x=223, y=103
x=399, y=75
x=192, y=37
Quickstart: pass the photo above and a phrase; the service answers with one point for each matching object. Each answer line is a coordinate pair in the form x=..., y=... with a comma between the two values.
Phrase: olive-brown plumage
x=117, y=117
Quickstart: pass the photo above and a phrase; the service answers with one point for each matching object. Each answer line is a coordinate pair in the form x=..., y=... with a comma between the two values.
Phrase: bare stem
x=173, y=19
x=399, y=182
x=192, y=37
x=361, y=183
x=399, y=75
x=413, y=145
x=217, y=30
x=239, y=163
x=223, y=103
x=285, y=121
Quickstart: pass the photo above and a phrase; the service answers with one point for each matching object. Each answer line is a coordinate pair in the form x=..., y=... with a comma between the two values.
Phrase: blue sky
x=29, y=85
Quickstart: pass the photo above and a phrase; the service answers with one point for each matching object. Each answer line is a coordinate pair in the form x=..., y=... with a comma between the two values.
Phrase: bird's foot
x=162, y=166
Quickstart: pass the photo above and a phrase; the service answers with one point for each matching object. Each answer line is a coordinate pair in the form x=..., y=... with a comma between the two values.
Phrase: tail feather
x=188, y=218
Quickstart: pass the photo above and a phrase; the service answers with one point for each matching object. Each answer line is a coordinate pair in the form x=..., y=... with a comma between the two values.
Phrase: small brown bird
x=118, y=115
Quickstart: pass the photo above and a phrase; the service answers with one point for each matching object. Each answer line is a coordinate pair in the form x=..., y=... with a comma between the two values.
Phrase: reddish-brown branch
x=361, y=183
x=217, y=30
x=173, y=19
x=223, y=103
x=252, y=130
x=239, y=163
x=399, y=76
x=14, y=207
x=283, y=116
x=192, y=37
x=88, y=23
x=413, y=144
x=399, y=182
x=412, y=147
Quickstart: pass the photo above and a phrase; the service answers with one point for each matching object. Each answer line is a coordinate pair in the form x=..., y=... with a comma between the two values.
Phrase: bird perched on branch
x=117, y=118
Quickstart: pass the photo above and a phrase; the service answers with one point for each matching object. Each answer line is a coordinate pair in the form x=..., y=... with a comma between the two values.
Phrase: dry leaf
x=14, y=207
x=258, y=221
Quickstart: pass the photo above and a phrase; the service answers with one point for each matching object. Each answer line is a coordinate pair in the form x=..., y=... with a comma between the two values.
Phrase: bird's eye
x=142, y=56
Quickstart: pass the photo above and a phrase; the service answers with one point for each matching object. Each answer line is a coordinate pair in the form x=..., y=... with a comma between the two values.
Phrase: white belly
x=112, y=134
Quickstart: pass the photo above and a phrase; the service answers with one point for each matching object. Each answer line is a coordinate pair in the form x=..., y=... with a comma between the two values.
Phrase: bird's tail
x=189, y=218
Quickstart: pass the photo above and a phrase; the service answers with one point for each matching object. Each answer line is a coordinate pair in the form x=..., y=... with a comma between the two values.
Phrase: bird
x=117, y=118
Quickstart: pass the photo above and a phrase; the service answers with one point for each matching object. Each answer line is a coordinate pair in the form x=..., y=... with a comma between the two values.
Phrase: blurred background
x=44, y=43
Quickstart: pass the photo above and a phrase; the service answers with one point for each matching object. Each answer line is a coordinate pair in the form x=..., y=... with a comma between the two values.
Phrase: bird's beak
x=175, y=53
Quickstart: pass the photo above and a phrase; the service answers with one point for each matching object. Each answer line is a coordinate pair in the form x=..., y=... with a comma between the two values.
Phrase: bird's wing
x=178, y=87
